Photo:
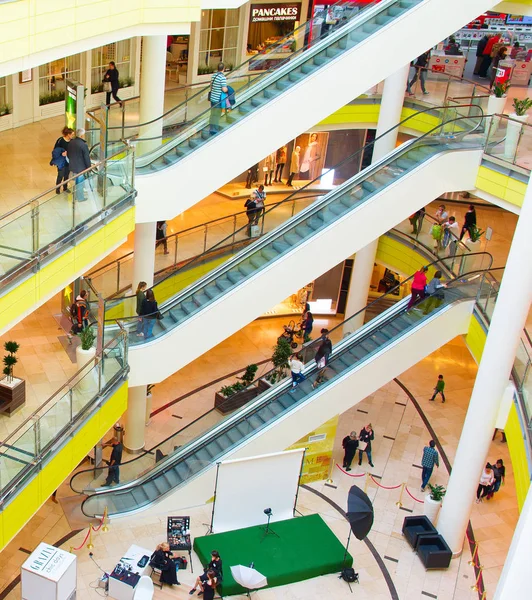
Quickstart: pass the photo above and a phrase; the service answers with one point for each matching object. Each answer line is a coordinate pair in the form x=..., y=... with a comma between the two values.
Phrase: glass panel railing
x=509, y=141
x=26, y=450
x=344, y=198
x=278, y=67
x=41, y=227
x=201, y=443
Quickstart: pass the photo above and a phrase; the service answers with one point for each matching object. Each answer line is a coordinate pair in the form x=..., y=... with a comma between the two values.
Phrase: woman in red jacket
x=418, y=287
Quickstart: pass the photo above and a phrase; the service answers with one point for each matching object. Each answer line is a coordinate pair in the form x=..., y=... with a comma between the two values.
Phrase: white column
x=144, y=254
x=152, y=80
x=389, y=116
x=515, y=576
x=135, y=419
x=509, y=318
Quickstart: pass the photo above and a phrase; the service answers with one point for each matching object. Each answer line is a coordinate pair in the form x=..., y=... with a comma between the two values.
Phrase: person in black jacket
x=149, y=311
x=421, y=66
x=163, y=560
x=366, y=435
x=480, y=53
x=350, y=445
x=215, y=565
x=470, y=221
x=111, y=76
x=79, y=160
x=322, y=357
x=61, y=162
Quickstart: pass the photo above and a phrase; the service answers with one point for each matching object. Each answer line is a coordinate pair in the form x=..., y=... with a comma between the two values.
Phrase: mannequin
x=281, y=161
x=311, y=157
x=294, y=164
x=269, y=165
x=253, y=176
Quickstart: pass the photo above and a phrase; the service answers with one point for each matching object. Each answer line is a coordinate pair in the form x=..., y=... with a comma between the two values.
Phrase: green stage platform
x=305, y=548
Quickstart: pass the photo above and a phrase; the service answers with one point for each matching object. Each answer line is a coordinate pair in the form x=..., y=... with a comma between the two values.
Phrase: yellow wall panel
x=31, y=497
x=516, y=447
x=500, y=185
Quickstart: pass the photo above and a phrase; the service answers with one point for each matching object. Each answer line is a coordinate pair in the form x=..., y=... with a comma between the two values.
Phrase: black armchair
x=413, y=527
x=433, y=551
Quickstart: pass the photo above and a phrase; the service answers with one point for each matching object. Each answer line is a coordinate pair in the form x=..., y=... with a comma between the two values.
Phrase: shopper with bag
x=149, y=311
x=322, y=357
x=111, y=84
x=364, y=443
x=60, y=159
x=418, y=287
x=218, y=86
x=79, y=161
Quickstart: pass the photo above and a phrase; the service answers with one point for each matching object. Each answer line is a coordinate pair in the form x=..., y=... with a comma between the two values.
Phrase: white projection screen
x=247, y=486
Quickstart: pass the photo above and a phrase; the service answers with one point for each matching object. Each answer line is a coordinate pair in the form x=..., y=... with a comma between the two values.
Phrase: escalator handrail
x=326, y=199
x=230, y=419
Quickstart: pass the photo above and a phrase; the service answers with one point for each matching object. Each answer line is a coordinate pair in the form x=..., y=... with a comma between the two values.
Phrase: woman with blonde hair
x=163, y=560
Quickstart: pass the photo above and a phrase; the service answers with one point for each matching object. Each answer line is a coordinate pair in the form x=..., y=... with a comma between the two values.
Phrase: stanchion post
x=475, y=587
x=473, y=562
x=331, y=467
x=367, y=483
x=399, y=503
x=105, y=527
x=90, y=545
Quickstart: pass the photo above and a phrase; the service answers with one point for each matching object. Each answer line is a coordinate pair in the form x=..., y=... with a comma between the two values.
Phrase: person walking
x=149, y=312
x=113, y=474
x=416, y=220
x=141, y=296
x=160, y=236
x=294, y=165
x=79, y=314
x=60, y=158
x=499, y=473
x=218, y=85
x=111, y=84
x=79, y=161
x=421, y=66
x=439, y=389
x=364, y=439
x=322, y=357
x=434, y=291
x=350, y=445
x=487, y=55
x=470, y=221
x=296, y=368
x=281, y=161
x=259, y=197
x=451, y=235
x=480, y=50
x=418, y=287
x=307, y=325
x=428, y=460
x=486, y=481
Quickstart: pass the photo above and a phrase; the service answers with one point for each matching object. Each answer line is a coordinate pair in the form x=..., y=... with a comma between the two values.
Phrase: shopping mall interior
x=264, y=294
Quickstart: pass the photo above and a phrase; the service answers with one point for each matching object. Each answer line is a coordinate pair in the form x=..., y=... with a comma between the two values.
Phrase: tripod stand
x=267, y=530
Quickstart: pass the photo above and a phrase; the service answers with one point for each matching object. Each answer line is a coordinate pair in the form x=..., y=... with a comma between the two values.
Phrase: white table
x=122, y=590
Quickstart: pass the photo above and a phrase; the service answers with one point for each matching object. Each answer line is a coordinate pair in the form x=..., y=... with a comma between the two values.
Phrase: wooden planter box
x=12, y=395
x=227, y=405
x=264, y=385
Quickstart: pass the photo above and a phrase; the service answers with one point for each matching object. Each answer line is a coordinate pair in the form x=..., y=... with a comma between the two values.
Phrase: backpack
x=348, y=574
x=436, y=231
x=181, y=562
x=231, y=95
x=74, y=316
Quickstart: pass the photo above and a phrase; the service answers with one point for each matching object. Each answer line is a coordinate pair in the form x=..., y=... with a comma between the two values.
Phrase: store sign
x=47, y=560
x=268, y=13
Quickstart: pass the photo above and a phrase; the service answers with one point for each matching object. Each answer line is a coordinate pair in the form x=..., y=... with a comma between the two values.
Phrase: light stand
x=267, y=530
x=345, y=557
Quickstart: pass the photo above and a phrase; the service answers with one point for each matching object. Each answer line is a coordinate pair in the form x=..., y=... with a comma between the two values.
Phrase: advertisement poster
x=318, y=457
x=312, y=157
x=71, y=104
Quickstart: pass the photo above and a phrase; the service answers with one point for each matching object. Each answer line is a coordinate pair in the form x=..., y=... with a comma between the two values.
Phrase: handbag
x=362, y=446
x=107, y=86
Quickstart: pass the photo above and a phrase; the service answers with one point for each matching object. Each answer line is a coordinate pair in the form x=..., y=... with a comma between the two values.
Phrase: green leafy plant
x=10, y=359
x=230, y=390
x=281, y=353
x=205, y=70
x=87, y=338
x=475, y=233
x=5, y=109
x=96, y=89
x=522, y=106
x=249, y=374
x=437, y=492
x=54, y=96
x=499, y=89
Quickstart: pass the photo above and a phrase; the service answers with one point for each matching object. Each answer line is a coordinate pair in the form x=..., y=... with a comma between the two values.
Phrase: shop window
x=5, y=106
x=53, y=76
x=120, y=52
x=218, y=39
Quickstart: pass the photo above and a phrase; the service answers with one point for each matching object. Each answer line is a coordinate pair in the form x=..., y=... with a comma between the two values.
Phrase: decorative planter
x=85, y=363
x=227, y=405
x=12, y=395
x=513, y=133
x=431, y=509
x=495, y=105
x=264, y=385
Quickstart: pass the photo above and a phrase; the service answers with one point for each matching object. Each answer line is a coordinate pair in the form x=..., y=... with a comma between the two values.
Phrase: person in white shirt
x=486, y=481
x=296, y=367
x=451, y=235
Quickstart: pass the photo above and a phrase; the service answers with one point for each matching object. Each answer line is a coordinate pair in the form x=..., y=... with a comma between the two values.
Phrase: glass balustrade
x=509, y=141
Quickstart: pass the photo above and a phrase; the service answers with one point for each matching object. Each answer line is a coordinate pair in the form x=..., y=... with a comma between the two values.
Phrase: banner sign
x=268, y=13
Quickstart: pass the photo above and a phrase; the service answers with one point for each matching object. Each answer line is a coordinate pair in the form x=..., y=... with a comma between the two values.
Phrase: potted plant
x=514, y=127
x=496, y=103
x=12, y=389
x=281, y=353
x=85, y=353
x=231, y=397
x=433, y=502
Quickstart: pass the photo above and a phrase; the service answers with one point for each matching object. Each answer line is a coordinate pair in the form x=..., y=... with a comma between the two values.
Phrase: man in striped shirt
x=218, y=85
x=429, y=459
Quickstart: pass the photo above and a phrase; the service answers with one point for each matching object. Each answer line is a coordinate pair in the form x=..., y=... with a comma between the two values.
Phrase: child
x=440, y=386
x=296, y=367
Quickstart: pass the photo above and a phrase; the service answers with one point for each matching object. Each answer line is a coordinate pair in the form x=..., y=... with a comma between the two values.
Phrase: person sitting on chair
x=163, y=560
x=216, y=566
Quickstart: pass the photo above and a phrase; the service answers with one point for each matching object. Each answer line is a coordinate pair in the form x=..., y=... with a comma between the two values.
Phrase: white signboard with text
x=49, y=574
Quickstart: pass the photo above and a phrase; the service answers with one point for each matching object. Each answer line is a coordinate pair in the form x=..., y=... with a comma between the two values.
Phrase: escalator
x=313, y=241
x=360, y=363
x=276, y=100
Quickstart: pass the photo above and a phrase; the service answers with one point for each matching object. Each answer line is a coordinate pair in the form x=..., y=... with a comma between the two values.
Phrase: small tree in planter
x=521, y=107
x=87, y=338
x=281, y=353
x=475, y=233
x=10, y=360
x=433, y=501
x=496, y=103
x=249, y=374
x=242, y=391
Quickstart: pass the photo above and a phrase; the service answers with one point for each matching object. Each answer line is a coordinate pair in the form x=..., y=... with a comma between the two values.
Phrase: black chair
x=433, y=551
x=155, y=569
x=415, y=526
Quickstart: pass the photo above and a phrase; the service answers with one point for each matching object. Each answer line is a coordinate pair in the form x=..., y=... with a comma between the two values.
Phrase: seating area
x=413, y=527
x=431, y=548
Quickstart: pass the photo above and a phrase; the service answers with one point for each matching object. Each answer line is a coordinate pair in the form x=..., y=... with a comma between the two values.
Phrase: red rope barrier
x=413, y=497
x=384, y=487
x=350, y=474
x=84, y=541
